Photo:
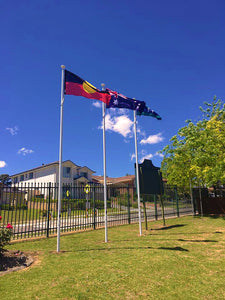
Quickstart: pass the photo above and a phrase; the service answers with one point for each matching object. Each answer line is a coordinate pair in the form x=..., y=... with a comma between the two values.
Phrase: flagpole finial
x=63, y=67
x=103, y=86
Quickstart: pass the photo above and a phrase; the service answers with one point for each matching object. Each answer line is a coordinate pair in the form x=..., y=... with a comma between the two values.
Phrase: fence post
x=177, y=202
x=48, y=213
x=128, y=204
x=145, y=212
x=194, y=202
x=156, y=212
x=94, y=206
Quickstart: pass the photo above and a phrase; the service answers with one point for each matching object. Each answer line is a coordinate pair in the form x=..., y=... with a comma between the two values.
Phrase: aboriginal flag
x=149, y=112
x=120, y=101
x=74, y=85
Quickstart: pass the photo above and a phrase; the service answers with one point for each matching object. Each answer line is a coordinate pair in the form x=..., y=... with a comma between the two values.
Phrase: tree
x=5, y=179
x=196, y=153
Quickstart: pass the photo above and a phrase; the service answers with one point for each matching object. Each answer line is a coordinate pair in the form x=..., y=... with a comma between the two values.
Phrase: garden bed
x=11, y=261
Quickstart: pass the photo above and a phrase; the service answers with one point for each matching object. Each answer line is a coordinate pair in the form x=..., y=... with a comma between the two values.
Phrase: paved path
x=84, y=222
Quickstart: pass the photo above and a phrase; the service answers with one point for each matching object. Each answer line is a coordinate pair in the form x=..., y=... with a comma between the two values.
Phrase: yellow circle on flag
x=87, y=188
x=89, y=88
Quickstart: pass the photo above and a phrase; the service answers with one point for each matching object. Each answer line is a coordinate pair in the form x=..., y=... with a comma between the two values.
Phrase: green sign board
x=150, y=178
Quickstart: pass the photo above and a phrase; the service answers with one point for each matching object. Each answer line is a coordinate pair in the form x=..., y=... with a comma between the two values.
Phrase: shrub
x=44, y=213
x=12, y=207
x=135, y=205
x=21, y=206
x=6, y=233
x=6, y=207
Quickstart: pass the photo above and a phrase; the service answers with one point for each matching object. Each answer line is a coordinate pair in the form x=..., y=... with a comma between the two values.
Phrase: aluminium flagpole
x=60, y=159
x=137, y=171
x=104, y=164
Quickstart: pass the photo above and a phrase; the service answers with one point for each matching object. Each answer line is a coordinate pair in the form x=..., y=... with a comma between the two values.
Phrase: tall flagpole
x=104, y=160
x=60, y=159
x=137, y=171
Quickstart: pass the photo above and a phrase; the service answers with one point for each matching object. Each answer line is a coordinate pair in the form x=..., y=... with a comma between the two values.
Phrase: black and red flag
x=74, y=85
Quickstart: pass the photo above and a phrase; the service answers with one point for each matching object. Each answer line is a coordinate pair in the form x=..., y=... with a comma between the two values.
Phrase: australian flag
x=120, y=101
x=149, y=112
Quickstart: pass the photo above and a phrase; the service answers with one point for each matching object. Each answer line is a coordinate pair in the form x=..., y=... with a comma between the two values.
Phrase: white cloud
x=121, y=111
x=24, y=151
x=132, y=156
x=159, y=154
x=143, y=152
x=121, y=124
x=118, y=111
x=97, y=104
x=148, y=156
x=2, y=164
x=153, y=139
x=13, y=130
x=144, y=155
x=109, y=123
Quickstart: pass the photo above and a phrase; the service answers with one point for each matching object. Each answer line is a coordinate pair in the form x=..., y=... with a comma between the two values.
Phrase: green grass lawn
x=185, y=260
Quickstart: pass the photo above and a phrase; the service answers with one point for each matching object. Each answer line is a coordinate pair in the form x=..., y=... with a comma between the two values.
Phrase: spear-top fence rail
x=32, y=209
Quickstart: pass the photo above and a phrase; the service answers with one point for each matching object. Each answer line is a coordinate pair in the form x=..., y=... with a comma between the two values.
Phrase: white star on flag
x=115, y=102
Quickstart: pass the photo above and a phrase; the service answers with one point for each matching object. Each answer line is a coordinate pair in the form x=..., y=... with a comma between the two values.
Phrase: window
x=31, y=175
x=66, y=172
x=15, y=180
x=21, y=177
x=84, y=174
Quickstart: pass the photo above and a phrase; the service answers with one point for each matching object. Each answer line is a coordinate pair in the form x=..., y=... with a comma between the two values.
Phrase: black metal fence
x=32, y=209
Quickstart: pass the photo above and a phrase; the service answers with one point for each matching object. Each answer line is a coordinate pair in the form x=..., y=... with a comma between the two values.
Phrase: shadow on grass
x=198, y=241
x=170, y=227
x=174, y=249
x=180, y=233
x=125, y=248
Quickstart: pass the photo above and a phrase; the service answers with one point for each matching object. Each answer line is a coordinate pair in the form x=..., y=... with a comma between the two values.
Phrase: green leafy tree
x=5, y=179
x=196, y=154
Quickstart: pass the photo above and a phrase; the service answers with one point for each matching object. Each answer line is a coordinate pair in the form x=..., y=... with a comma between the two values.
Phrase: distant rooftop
x=111, y=180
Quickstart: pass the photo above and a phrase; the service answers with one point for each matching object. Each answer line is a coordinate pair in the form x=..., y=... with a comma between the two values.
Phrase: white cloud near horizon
x=13, y=130
x=153, y=139
x=2, y=164
x=120, y=124
x=144, y=155
x=24, y=151
x=148, y=156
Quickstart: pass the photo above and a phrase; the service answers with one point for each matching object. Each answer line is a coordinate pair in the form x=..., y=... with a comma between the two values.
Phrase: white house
x=71, y=174
x=36, y=181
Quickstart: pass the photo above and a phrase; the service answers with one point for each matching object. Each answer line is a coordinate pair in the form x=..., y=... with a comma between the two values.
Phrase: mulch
x=11, y=261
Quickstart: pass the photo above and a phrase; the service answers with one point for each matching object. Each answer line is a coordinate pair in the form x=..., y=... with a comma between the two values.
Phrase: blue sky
x=167, y=53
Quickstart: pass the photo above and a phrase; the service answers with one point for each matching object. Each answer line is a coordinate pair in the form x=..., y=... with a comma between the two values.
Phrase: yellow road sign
x=87, y=188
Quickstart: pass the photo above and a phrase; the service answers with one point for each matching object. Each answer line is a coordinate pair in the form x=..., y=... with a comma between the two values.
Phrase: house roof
x=48, y=165
x=87, y=168
x=111, y=180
